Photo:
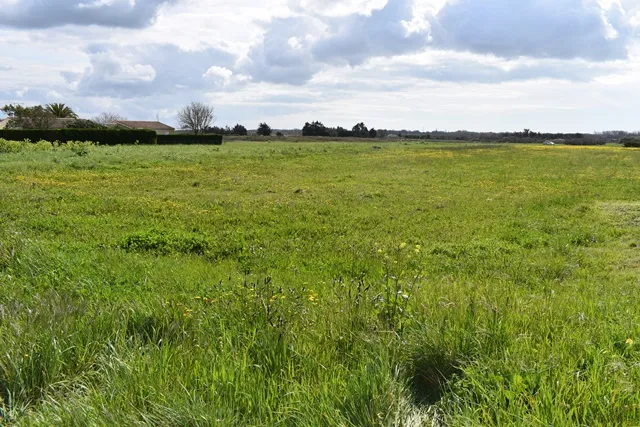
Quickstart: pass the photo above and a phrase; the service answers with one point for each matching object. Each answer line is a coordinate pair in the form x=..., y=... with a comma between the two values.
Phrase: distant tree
x=107, y=118
x=343, y=133
x=61, y=111
x=239, y=130
x=28, y=117
x=264, y=130
x=360, y=131
x=196, y=117
x=373, y=133
x=279, y=133
x=314, y=129
x=218, y=130
x=85, y=124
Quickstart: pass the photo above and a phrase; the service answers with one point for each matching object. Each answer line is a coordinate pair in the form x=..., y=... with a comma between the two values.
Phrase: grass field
x=335, y=284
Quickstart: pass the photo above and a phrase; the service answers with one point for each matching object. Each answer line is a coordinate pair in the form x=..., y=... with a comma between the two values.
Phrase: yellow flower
x=416, y=250
x=418, y=247
x=403, y=245
x=629, y=341
x=379, y=251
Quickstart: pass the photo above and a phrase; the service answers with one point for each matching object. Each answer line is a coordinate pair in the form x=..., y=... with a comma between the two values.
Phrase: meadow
x=311, y=284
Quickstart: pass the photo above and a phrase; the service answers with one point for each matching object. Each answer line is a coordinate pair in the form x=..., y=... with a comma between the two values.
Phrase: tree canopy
x=61, y=111
x=35, y=117
x=264, y=130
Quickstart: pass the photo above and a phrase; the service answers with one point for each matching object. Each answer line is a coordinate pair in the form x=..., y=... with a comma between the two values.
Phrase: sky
x=479, y=65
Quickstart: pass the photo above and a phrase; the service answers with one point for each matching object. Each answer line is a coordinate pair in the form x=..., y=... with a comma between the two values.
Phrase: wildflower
x=312, y=298
x=629, y=341
x=403, y=245
x=26, y=356
x=418, y=247
x=379, y=251
x=197, y=298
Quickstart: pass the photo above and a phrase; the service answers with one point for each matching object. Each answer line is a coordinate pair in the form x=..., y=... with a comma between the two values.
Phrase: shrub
x=98, y=136
x=163, y=243
x=631, y=142
x=205, y=139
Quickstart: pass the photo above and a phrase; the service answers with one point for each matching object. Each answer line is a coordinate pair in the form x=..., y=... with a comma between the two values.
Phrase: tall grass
x=324, y=284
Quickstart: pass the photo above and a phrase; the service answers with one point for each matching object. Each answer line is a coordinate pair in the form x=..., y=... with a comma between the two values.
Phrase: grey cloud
x=357, y=38
x=127, y=72
x=535, y=28
x=47, y=13
x=294, y=49
x=283, y=55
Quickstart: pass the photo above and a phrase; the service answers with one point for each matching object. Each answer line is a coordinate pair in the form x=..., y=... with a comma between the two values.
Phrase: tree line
x=198, y=118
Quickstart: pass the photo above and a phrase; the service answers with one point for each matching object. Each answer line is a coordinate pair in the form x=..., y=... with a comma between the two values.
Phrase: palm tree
x=61, y=111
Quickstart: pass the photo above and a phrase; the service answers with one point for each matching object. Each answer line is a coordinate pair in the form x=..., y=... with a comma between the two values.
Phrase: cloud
x=535, y=28
x=385, y=32
x=109, y=13
x=283, y=55
x=131, y=71
x=6, y=68
x=294, y=49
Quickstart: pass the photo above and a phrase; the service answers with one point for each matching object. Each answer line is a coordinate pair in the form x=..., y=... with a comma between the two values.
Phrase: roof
x=143, y=125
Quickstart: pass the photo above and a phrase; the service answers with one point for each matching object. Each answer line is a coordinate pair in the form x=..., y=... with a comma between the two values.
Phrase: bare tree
x=196, y=117
x=107, y=118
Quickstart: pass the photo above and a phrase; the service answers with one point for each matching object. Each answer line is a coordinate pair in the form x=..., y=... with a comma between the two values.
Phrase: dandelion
x=379, y=251
x=629, y=341
x=403, y=245
x=416, y=250
x=418, y=247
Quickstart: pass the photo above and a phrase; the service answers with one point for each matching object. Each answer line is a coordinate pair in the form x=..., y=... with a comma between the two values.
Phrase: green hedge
x=99, y=136
x=631, y=142
x=184, y=138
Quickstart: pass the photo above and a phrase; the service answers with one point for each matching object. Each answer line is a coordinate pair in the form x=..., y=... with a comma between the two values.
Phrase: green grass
x=319, y=284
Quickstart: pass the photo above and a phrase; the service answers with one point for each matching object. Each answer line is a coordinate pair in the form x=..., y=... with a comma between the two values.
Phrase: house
x=159, y=128
x=4, y=122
